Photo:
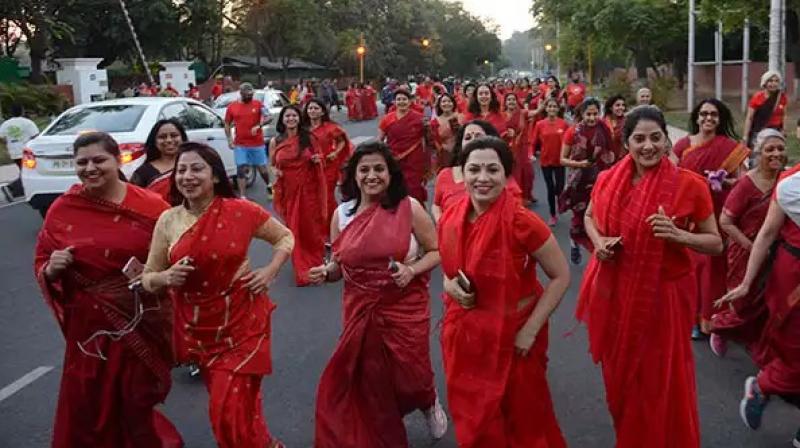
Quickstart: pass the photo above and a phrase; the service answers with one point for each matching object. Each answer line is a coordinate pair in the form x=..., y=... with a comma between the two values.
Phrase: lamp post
x=548, y=48
x=361, y=50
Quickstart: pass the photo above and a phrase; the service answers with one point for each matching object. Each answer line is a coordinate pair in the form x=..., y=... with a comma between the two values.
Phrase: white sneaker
x=436, y=419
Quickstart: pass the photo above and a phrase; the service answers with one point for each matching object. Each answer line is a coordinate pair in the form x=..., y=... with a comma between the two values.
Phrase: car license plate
x=63, y=164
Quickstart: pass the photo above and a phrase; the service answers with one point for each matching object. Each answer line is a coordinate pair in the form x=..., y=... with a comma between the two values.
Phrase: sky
x=511, y=15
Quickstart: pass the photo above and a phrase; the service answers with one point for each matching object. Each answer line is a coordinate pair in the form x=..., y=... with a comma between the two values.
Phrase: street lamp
x=361, y=50
x=426, y=42
x=548, y=47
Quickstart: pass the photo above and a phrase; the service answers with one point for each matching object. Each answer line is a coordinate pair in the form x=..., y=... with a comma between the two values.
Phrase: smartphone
x=393, y=267
x=463, y=281
x=133, y=268
x=616, y=242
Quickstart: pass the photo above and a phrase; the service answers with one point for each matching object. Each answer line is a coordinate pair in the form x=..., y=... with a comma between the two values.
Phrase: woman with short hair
x=766, y=109
x=495, y=324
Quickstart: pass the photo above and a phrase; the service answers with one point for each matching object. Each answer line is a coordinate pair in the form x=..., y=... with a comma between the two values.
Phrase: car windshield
x=116, y=118
x=227, y=98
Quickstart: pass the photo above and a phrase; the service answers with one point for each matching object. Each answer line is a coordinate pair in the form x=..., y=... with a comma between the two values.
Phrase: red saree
x=300, y=199
x=405, y=138
x=523, y=168
x=497, y=398
x=161, y=185
x=592, y=143
x=744, y=321
x=615, y=126
x=637, y=317
x=381, y=368
x=369, y=103
x=496, y=119
x=780, y=371
x=220, y=325
x=328, y=135
x=107, y=403
x=448, y=192
x=720, y=152
x=444, y=139
x=353, y=103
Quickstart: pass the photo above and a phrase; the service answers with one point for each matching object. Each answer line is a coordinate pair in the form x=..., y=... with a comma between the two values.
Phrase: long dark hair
x=105, y=140
x=306, y=120
x=608, y=108
x=151, y=150
x=222, y=188
x=302, y=131
x=487, y=127
x=439, y=110
x=726, y=125
x=475, y=108
x=588, y=102
x=396, y=191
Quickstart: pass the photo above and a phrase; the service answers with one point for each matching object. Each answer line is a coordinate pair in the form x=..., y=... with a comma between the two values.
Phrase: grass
x=680, y=119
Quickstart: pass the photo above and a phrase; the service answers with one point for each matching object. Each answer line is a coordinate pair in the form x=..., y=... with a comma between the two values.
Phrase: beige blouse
x=174, y=222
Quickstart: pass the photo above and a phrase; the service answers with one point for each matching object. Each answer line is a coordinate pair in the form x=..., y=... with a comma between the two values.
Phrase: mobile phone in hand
x=463, y=281
x=133, y=268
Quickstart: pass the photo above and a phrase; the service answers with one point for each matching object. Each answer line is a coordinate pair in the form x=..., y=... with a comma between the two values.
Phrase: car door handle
x=211, y=137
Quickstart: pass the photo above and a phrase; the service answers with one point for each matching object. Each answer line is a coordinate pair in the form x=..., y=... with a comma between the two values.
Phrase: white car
x=274, y=100
x=48, y=167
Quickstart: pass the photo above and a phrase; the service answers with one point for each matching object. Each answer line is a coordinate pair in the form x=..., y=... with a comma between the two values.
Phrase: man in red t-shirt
x=247, y=142
x=576, y=92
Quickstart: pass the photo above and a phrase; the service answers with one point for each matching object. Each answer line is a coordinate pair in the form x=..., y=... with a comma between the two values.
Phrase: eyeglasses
x=705, y=114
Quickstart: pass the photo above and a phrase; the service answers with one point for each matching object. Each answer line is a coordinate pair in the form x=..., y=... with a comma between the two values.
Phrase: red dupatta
x=219, y=323
x=300, y=198
x=719, y=153
x=95, y=229
x=381, y=368
x=161, y=185
x=478, y=344
x=616, y=299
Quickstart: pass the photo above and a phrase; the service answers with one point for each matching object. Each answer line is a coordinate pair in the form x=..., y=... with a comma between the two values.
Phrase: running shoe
x=575, y=255
x=194, y=370
x=553, y=221
x=796, y=440
x=751, y=408
x=436, y=419
x=719, y=346
x=697, y=333
x=269, y=192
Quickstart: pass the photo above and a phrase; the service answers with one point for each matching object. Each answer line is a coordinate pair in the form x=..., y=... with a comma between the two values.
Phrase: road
x=306, y=325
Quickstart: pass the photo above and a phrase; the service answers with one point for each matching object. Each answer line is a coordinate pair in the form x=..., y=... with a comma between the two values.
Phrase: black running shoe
x=575, y=255
x=751, y=408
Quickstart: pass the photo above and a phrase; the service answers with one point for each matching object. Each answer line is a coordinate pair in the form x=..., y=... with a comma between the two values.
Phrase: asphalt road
x=305, y=328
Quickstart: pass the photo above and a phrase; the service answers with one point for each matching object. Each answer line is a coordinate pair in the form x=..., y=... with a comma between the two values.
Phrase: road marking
x=26, y=379
x=361, y=139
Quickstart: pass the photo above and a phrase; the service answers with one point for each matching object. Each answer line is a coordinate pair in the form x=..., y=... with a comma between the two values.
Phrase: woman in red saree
x=221, y=308
x=404, y=131
x=588, y=150
x=384, y=247
x=766, y=109
x=335, y=146
x=449, y=186
x=517, y=139
x=780, y=366
x=484, y=105
x=160, y=150
x=614, y=118
x=742, y=216
x=712, y=151
x=300, y=194
x=444, y=127
x=464, y=97
x=631, y=297
x=353, y=103
x=369, y=101
x=109, y=384
x=495, y=326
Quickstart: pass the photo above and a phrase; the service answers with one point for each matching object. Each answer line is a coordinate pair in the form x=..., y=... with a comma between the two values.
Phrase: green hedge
x=34, y=99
